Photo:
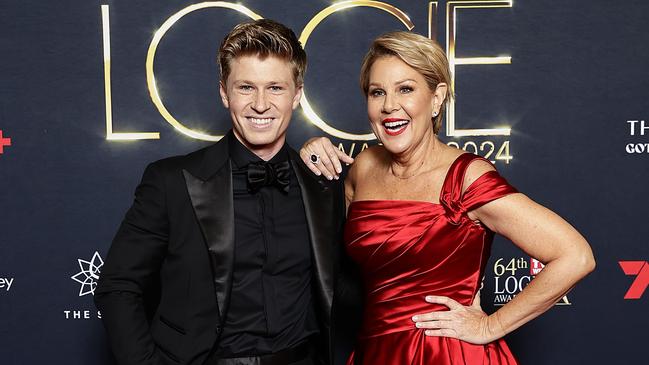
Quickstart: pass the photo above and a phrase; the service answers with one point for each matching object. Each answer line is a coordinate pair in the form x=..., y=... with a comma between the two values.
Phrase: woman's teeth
x=395, y=125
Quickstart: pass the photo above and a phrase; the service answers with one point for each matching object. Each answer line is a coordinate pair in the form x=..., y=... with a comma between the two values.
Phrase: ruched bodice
x=409, y=249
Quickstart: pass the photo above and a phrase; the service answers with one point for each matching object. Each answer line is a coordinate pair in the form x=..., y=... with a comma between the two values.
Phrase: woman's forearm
x=548, y=287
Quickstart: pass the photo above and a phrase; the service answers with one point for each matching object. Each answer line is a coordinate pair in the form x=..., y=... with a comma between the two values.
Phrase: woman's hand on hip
x=466, y=323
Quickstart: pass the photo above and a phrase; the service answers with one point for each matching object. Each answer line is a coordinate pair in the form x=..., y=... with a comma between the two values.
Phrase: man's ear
x=224, y=95
x=298, y=96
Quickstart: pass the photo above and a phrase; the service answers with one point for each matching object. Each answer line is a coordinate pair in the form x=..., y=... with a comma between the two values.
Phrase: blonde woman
x=421, y=219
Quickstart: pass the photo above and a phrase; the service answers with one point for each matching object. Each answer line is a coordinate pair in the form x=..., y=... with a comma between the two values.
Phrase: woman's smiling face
x=400, y=104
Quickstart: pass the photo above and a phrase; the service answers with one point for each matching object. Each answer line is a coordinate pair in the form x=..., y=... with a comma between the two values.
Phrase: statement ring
x=315, y=158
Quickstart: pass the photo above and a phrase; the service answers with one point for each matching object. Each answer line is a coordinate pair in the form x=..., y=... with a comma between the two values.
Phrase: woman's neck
x=422, y=157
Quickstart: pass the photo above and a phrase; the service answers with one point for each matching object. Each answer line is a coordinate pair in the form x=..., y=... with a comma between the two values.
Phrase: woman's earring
x=435, y=114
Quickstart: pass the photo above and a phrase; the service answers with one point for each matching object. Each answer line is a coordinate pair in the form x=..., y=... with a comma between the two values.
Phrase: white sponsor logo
x=5, y=283
x=81, y=314
x=641, y=128
x=89, y=274
x=637, y=128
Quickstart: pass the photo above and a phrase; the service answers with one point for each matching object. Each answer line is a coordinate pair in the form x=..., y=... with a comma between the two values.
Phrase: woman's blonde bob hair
x=418, y=52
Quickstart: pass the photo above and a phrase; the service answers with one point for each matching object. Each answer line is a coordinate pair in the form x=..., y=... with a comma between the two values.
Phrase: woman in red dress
x=421, y=219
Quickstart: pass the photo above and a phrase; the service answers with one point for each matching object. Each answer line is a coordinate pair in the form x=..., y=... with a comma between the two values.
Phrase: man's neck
x=265, y=152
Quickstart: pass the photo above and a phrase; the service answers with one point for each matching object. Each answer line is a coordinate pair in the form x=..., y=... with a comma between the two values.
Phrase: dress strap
x=489, y=186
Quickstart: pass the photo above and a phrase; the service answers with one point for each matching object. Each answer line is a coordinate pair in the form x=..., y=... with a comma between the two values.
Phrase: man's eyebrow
x=244, y=81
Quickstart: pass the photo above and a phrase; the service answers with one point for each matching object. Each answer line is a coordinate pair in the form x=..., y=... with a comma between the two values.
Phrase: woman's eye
x=276, y=88
x=245, y=87
x=405, y=89
x=376, y=92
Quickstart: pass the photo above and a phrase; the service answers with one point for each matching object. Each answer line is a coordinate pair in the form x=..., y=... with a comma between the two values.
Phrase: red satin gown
x=409, y=249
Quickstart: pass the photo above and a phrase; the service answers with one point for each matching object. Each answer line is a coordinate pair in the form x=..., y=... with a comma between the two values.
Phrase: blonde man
x=234, y=245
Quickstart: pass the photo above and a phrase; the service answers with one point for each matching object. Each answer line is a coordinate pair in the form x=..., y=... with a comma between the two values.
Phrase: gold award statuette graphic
x=494, y=148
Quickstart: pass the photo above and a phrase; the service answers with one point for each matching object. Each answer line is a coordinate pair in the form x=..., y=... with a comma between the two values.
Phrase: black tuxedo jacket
x=165, y=286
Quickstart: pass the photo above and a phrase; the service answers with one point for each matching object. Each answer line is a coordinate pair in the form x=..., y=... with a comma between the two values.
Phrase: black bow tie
x=267, y=174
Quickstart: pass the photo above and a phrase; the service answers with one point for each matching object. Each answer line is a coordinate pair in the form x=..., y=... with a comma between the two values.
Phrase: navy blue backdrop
x=555, y=93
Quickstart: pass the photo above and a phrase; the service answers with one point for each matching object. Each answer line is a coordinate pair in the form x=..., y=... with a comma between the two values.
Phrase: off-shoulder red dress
x=409, y=249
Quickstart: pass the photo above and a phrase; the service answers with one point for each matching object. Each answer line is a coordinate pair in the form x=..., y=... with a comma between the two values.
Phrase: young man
x=229, y=254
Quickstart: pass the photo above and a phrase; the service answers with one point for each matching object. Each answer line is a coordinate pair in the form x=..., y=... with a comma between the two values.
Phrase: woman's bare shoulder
x=476, y=168
x=367, y=161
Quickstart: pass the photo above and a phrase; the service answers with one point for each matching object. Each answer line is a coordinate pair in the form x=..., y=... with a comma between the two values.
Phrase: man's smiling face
x=261, y=95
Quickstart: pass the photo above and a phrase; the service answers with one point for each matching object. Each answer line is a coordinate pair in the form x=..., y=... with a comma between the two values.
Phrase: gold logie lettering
x=304, y=37
x=352, y=148
x=150, y=58
x=432, y=20
x=486, y=149
x=341, y=147
x=452, y=8
x=451, y=26
x=110, y=135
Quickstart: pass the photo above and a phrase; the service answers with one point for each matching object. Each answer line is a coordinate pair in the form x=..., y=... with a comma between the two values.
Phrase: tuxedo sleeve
x=130, y=275
x=347, y=308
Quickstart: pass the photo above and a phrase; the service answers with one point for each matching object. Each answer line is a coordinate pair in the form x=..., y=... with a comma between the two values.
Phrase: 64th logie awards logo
x=89, y=274
x=511, y=276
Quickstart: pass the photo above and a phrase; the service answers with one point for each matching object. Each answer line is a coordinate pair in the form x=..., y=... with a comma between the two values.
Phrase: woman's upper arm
x=350, y=183
x=364, y=162
x=538, y=231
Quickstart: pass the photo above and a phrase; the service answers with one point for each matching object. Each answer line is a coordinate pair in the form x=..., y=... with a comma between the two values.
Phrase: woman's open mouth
x=395, y=126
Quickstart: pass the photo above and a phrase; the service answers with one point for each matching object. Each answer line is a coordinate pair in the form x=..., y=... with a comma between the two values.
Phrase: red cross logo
x=4, y=142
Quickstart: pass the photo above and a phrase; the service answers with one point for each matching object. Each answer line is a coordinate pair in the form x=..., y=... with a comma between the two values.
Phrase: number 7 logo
x=641, y=269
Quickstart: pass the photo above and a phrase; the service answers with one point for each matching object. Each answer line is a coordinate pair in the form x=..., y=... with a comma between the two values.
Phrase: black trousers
x=304, y=354
x=257, y=361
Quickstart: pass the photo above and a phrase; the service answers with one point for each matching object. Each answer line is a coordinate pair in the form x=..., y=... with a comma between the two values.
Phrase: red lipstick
x=394, y=126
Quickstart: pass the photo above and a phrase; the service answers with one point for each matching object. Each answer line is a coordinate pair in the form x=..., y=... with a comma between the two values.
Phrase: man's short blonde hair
x=263, y=38
x=418, y=52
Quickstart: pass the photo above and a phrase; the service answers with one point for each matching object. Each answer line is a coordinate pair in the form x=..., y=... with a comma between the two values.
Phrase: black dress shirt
x=271, y=306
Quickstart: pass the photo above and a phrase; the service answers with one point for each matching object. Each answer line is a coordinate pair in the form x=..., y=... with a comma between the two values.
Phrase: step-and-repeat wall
x=555, y=94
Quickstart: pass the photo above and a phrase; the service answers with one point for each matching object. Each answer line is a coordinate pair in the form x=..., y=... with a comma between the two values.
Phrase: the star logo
x=89, y=274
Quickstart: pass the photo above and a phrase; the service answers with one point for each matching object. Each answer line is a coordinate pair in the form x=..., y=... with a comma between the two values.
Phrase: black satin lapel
x=319, y=209
x=214, y=208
